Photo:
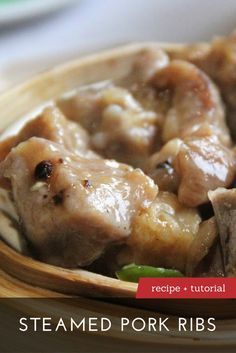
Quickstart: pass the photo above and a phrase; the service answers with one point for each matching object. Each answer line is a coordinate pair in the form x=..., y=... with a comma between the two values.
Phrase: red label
x=187, y=288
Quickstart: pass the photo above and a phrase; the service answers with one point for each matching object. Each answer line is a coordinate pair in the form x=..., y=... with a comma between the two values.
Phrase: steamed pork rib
x=193, y=52
x=197, y=158
x=76, y=208
x=84, y=108
x=181, y=101
x=163, y=233
x=224, y=204
x=218, y=60
x=87, y=105
x=204, y=257
x=72, y=208
x=52, y=125
x=193, y=104
x=119, y=126
x=220, y=64
x=201, y=245
x=126, y=132
x=161, y=169
x=137, y=82
x=191, y=168
x=203, y=165
x=147, y=63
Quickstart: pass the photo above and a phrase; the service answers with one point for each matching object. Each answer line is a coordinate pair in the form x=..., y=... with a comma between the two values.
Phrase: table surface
x=90, y=25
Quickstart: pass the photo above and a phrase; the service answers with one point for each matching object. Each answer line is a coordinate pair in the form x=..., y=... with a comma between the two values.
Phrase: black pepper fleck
x=164, y=165
x=87, y=183
x=43, y=170
x=60, y=160
x=58, y=198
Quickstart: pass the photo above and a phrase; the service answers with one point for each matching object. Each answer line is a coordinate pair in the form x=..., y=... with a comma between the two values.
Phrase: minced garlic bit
x=38, y=185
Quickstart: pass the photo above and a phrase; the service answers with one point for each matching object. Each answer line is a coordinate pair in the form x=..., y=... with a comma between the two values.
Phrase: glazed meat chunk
x=87, y=105
x=72, y=208
x=52, y=125
x=146, y=64
x=119, y=126
x=160, y=166
x=203, y=165
x=162, y=234
x=224, y=204
x=204, y=257
x=218, y=60
x=192, y=167
x=220, y=64
x=127, y=132
x=193, y=104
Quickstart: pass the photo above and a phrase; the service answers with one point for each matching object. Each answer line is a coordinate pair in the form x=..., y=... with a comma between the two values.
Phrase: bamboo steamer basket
x=22, y=276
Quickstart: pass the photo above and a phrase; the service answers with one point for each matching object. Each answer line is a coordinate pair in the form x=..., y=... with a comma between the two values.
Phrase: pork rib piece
x=51, y=125
x=224, y=204
x=120, y=127
x=71, y=208
x=191, y=167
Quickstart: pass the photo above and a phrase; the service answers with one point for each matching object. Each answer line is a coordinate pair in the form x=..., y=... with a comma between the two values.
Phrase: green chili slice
x=132, y=272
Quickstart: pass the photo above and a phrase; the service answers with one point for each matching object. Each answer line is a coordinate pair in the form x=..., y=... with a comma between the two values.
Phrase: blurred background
x=37, y=34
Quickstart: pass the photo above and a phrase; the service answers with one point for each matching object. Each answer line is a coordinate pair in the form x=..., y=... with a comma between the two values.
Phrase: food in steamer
x=134, y=177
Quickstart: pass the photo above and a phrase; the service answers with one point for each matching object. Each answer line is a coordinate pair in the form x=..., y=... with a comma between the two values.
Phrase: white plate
x=20, y=10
